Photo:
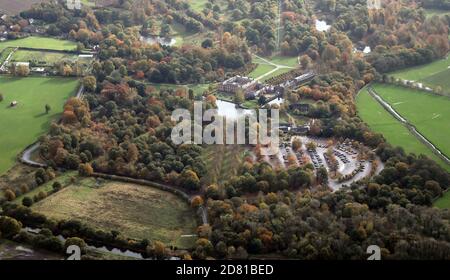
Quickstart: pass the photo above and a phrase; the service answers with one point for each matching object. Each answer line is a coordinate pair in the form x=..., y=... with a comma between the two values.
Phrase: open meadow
x=379, y=120
x=135, y=211
x=432, y=74
x=25, y=122
x=36, y=42
x=41, y=57
x=429, y=113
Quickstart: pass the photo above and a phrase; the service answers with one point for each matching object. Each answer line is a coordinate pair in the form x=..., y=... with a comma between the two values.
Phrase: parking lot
x=344, y=163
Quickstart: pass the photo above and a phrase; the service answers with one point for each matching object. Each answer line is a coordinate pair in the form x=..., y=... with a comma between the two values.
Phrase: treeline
x=391, y=61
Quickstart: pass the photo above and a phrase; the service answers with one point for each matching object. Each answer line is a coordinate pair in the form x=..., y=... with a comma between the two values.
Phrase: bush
x=56, y=186
x=9, y=226
x=10, y=195
x=27, y=201
x=77, y=242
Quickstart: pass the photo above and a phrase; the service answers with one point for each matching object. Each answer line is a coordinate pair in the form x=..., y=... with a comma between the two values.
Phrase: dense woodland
x=123, y=125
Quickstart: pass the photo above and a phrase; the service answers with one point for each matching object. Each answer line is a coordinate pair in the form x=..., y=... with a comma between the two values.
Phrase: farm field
x=429, y=113
x=27, y=121
x=40, y=42
x=432, y=74
x=379, y=120
x=133, y=210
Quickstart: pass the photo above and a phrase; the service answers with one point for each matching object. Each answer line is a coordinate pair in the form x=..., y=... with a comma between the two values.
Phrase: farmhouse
x=236, y=83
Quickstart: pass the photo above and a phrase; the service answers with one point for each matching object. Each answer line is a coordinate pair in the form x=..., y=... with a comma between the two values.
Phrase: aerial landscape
x=224, y=130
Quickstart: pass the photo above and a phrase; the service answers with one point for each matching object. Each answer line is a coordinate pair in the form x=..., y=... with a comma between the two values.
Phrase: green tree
x=9, y=227
x=47, y=108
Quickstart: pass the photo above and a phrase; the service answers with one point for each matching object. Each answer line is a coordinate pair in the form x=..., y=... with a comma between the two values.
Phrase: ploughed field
x=133, y=210
x=22, y=124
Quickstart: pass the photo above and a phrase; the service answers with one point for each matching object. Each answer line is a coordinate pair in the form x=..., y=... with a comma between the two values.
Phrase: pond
x=277, y=101
x=151, y=39
x=322, y=25
x=10, y=250
x=229, y=110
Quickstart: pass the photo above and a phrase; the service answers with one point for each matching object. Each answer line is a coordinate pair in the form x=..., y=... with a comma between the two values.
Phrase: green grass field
x=429, y=113
x=432, y=74
x=435, y=12
x=260, y=70
x=64, y=179
x=198, y=88
x=23, y=124
x=379, y=120
x=40, y=42
x=48, y=58
x=198, y=5
x=133, y=210
x=443, y=202
x=264, y=67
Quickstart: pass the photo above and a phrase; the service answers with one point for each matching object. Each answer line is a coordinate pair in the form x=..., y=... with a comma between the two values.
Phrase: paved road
x=26, y=156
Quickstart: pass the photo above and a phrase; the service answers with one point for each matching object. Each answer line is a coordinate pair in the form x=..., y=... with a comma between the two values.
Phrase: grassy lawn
x=432, y=74
x=435, y=12
x=264, y=67
x=197, y=5
x=48, y=57
x=260, y=70
x=4, y=54
x=290, y=61
x=23, y=124
x=429, y=113
x=135, y=211
x=198, y=88
x=443, y=202
x=64, y=179
x=379, y=120
x=40, y=42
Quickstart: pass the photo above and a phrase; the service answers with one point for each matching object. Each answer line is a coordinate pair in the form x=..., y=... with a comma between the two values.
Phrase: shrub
x=27, y=201
x=10, y=195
